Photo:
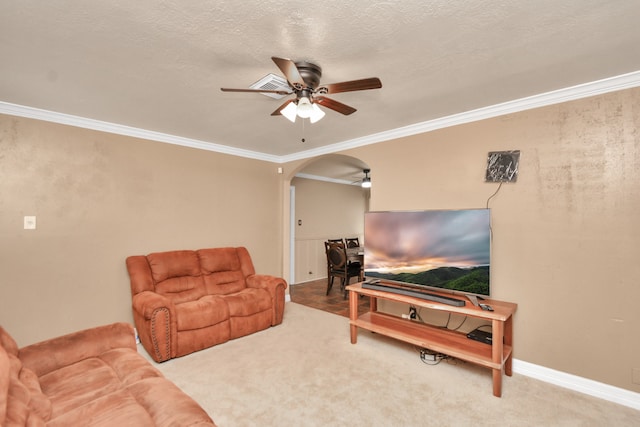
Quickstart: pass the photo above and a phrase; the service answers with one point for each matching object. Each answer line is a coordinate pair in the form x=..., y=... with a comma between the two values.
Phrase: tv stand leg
x=497, y=354
x=508, y=339
x=353, y=315
x=497, y=382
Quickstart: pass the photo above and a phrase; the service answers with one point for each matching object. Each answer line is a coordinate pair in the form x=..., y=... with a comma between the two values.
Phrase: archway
x=325, y=201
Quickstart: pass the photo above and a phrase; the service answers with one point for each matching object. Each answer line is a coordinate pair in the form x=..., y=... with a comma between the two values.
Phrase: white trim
x=612, y=84
x=85, y=123
x=292, y=234
x=579, y=384
x=624, y=81
x=325, y=179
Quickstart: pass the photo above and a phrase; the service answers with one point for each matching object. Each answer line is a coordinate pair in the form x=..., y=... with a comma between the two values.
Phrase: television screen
x=442, y=249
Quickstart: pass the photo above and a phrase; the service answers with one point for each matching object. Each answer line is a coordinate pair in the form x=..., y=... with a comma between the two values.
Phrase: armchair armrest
x=55, y=353
x=275, y=286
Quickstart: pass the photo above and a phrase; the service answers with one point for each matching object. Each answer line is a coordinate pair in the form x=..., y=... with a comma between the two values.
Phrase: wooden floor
x=313, y=294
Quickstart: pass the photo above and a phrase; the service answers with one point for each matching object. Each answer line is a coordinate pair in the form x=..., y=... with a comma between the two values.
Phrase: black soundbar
x=414, y=293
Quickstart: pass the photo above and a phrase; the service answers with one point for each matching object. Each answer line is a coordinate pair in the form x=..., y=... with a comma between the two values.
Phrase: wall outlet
x=636, y=376
x=29, y=222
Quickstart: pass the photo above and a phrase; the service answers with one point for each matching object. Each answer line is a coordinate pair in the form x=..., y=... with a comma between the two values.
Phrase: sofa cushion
x=176, y=274
x=78, y=384
x=118, y=408
x=206, y=311
x=153, y=393
x=221, y=271
x=248, y=302
x=129, y=366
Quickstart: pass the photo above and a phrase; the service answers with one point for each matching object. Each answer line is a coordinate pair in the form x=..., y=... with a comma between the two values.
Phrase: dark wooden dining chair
x=339, y=267
x=352, y=242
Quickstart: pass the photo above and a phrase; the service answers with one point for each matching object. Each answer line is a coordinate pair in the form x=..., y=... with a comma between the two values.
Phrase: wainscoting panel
x=311, y=262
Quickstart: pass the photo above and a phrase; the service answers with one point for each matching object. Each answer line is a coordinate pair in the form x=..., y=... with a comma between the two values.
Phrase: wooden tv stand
x=497, y=356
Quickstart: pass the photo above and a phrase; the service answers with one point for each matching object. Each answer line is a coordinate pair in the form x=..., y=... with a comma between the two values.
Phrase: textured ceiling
x=159, y=65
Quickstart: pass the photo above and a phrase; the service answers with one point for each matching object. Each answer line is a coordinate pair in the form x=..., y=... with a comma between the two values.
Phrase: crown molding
x=83, y=122
x=612, y=84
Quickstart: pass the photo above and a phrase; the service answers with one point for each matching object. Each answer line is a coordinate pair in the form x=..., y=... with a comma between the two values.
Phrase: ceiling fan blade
x=334, y=105
x=353, y=85
x=279, y=92
x=290, y=71
x=282, y=107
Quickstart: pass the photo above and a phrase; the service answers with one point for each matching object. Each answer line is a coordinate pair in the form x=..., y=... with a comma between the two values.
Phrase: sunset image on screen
x=429, y=247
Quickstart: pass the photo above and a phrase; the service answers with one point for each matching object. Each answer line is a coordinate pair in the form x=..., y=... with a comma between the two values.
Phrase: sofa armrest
x=155, y=318
x=270, y=283
x=276, y=287
x=55, y=353
x=146, y=303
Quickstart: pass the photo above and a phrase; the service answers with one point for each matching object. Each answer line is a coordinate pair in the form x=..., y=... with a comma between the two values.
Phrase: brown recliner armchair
x=185, y=301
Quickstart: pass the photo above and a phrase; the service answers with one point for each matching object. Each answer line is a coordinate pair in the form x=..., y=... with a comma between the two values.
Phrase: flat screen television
x=437, y=249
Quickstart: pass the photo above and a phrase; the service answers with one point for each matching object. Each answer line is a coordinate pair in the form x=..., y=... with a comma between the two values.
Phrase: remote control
x=486, y=307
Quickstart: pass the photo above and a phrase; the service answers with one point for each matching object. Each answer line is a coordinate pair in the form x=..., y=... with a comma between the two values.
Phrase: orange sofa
x=92, y=378
x=185, y=301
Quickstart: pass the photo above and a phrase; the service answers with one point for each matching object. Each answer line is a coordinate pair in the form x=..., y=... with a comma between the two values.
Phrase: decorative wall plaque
x=502, y=166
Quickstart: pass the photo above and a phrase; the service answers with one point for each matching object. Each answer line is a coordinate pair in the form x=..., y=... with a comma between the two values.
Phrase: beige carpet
x=305, y=372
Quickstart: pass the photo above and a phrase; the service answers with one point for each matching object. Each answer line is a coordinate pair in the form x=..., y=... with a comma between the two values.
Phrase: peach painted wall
x=565, y=235
x=100, y=197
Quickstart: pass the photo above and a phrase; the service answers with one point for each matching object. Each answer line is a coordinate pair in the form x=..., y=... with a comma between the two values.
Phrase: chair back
x=352, y=242
x=336, y=255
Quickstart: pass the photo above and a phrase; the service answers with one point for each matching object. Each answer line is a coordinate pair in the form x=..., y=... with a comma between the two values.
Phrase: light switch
x=29, y=222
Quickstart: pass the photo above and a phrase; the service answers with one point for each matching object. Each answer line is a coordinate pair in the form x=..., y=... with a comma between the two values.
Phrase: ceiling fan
x=304, y=81
x=366, y=181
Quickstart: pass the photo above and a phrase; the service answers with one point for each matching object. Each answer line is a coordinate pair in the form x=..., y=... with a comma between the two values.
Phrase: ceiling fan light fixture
x=316, y=114
x=290, y=112
x=366, y=181
x=305, y=108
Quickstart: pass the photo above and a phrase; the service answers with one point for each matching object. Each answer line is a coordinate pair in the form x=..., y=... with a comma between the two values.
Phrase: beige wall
x=99, y=198
x=327, y=211
x=565, y=236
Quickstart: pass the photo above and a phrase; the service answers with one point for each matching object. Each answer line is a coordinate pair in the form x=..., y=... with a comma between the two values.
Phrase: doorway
x=327, y=201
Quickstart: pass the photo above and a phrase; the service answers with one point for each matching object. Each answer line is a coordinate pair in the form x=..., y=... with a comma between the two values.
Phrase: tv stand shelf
x=497, y=357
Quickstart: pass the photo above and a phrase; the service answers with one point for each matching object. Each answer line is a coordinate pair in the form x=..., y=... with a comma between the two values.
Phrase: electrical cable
x=446, y=326
x=432, y=358
x=460, y=325
x=493, y=195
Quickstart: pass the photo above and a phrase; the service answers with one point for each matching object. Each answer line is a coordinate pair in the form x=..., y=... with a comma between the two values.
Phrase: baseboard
x=579, y=384
x=309, y=281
